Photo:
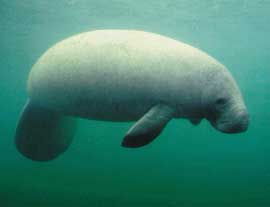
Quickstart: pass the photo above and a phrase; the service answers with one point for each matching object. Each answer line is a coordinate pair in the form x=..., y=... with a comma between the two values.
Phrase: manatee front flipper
x=42, y=134
x=148, y=127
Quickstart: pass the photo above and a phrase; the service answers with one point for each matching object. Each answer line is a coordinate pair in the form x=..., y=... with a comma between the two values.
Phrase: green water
x=186, y=165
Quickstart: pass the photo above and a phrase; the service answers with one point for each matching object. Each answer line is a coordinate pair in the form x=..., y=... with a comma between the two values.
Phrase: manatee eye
x=221, y=101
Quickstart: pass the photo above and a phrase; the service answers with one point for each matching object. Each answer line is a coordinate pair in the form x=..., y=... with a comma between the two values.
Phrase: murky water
x=186, y=165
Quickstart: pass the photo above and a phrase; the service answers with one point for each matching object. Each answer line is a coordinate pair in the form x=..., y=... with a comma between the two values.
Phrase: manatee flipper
x=148, y=127
x=195, y=121
x=41, y=134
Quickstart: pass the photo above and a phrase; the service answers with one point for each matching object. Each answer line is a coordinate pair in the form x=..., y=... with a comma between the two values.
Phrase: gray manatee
x=124, y=75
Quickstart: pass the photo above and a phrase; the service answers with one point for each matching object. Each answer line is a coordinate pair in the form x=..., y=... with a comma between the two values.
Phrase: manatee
x=122, y=76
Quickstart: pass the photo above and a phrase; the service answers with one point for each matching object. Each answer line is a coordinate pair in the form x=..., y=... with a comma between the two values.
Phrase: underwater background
x=187, y=165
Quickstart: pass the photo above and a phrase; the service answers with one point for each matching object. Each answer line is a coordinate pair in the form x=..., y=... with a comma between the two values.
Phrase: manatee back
x=117, y=67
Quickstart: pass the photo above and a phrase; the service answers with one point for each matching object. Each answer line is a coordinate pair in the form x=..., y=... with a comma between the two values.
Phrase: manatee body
x=124, y=75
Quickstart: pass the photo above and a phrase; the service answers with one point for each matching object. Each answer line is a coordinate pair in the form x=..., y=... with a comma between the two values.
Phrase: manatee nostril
x=244, y=118
x=242, y=123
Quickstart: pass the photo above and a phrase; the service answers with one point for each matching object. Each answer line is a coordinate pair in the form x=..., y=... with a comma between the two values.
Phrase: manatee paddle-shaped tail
x=148, y=127
x=42, y=134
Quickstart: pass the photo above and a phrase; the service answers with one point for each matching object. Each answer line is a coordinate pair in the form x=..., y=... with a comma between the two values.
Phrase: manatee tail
x=41, y=134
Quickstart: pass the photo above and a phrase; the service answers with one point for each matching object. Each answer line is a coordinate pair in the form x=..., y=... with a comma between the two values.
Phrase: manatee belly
x=101, y=95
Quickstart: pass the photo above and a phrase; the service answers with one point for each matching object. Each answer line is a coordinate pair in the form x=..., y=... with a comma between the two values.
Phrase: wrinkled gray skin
x=121, y=75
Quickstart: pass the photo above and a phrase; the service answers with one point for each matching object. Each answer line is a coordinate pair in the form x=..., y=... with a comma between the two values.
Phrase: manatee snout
x=235, y=123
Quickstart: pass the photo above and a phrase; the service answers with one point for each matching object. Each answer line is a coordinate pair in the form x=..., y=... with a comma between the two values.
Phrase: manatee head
x=223, y=103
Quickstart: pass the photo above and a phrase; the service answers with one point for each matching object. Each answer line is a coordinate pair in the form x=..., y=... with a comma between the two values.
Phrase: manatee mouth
x=233, y=128
x=238, y=124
